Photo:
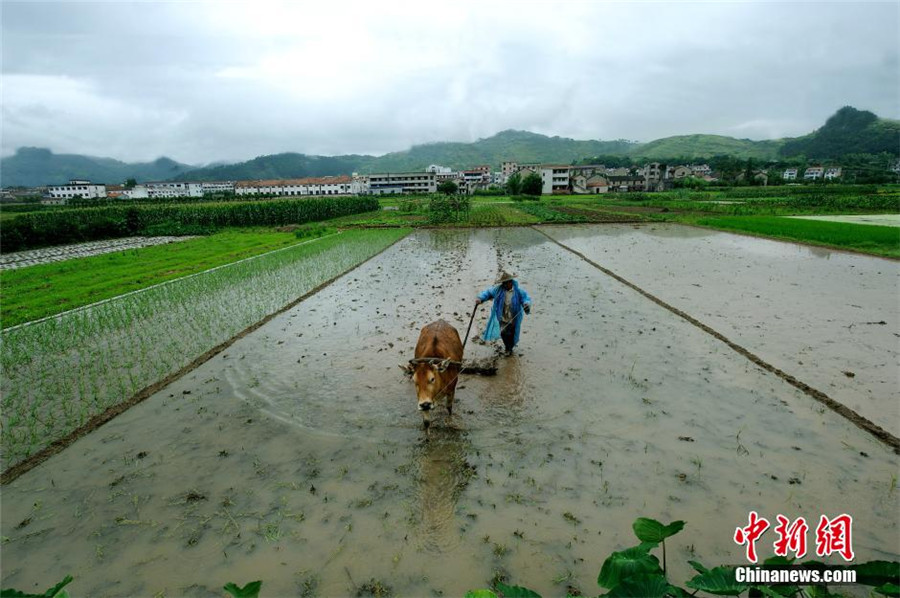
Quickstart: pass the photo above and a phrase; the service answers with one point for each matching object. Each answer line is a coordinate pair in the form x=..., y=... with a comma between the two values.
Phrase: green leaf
x=719, y=581
x=51, y=593
x=516, y=591
x=651, y=530
x=645, y=586
x=777, y=561
x=778, y=591
x=480, y=594
x=888, y=589
x=698, y=567
x=251, y=590
x=619, y=566
x=877, y=573
x=819, y=592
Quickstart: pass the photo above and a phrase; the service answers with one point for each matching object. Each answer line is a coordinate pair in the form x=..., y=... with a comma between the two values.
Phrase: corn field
x=45, y=228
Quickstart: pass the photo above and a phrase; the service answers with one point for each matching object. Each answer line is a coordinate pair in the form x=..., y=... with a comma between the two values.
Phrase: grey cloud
x=139, y=80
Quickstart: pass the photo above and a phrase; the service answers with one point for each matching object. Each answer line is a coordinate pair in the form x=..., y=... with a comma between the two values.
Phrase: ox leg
x=450, y=404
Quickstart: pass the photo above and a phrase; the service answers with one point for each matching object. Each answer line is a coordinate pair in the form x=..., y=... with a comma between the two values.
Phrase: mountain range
x=847, y=131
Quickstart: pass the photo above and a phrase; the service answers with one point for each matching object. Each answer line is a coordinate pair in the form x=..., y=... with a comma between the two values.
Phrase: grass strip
x=877, y=240
x=38, y=291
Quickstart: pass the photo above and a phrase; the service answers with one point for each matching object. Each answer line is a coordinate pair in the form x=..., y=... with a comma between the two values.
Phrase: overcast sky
x=228, y=81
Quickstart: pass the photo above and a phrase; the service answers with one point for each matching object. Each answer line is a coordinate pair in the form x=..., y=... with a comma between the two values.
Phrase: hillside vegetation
x=33, y=166
x=848, y=132
x=705, y=146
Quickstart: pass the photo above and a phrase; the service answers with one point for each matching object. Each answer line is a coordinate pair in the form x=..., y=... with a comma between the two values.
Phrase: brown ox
x=436, y=367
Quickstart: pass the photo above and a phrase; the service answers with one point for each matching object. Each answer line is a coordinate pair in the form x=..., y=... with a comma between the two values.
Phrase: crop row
x=41, y=229
x=59, y=372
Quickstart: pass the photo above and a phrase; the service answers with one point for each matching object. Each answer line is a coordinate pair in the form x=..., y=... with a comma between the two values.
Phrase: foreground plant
x=634, y=572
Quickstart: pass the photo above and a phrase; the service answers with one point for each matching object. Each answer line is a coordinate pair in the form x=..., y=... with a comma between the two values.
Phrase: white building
x=402, y=182
x=136, y=192
x=833, y=173
x=76, y=188
x=211, y=187
x=329, y=185
x=171, y=190
x=813, y=173
x=790, y=174
x=439, y=169
x=555, y=179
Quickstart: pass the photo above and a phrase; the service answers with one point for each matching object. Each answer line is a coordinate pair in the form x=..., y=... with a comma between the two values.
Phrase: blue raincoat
x=498, y=294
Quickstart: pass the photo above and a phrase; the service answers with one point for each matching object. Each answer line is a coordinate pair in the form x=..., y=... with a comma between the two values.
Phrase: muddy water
x=831, y=319
x=297, y=456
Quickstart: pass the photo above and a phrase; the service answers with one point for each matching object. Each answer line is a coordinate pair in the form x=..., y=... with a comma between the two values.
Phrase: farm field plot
x=33, y=257
x=59, y=372
x=296, y=456
x=829, y=318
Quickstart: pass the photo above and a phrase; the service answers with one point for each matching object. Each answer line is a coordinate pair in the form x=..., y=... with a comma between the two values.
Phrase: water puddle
x=297, y=455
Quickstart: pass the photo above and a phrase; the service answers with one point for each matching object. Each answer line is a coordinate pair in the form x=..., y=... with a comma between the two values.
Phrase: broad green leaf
x=777, y=561
x=56, y=591
x=777, y=591
x=516, y=591
x=719, y=581
x=698, y=567
x=651, y=530
x=251, y=590
x=645, y=586
x=877, y=573
x=619, y=566
x=888, y=589
x=819, y=592
x=480, y=594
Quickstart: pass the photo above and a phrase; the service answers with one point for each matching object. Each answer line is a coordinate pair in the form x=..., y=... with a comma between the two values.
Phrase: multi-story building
x=790, y=174
x=813, y=173
x=402, y=182
x=210, y=187
x=76, y=188
x=625, y=183
x=555, y=179
x=833, y=173
x=359, y=184
x=700, y=170
x=329, y=185
x=436, y=169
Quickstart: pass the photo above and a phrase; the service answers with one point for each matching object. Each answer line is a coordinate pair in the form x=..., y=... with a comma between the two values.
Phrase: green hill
x=848, y=131
x=280, y=166
x=706, y=146
x=33, y=167
x=519, y=146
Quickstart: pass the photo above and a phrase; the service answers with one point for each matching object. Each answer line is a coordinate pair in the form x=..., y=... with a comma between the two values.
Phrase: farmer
x=510, y=301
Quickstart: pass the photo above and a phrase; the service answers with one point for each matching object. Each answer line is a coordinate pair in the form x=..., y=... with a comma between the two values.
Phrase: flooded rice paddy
x=296, y=456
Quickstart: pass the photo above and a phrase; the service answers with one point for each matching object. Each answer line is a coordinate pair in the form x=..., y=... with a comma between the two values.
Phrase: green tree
x=514, y=184
x=448, y=188
x=130, y=183
x=532, y=184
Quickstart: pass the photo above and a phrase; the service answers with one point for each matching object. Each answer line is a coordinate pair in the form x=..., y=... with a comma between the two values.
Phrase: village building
x=402, y=182
x=75, y=188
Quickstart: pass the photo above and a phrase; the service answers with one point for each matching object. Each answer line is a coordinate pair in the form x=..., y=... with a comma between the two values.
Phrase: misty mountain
x=849, y=131
x=33, y=167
